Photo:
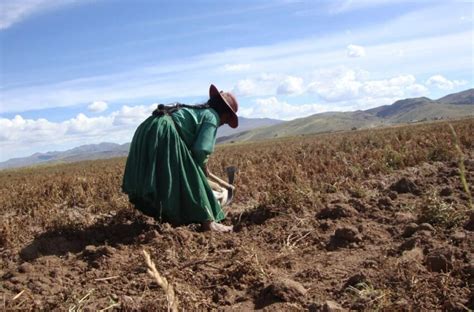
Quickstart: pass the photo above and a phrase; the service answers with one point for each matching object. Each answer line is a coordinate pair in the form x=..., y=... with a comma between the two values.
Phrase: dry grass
x=162, y=282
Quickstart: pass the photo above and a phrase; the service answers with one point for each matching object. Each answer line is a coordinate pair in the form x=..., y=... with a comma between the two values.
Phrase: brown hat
x=231, y=103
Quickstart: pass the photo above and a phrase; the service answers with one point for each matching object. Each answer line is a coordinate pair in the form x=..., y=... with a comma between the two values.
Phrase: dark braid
x=163, y=109
x=216, y=104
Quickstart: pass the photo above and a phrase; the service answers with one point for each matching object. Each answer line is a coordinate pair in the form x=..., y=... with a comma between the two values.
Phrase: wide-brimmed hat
x=229, y=100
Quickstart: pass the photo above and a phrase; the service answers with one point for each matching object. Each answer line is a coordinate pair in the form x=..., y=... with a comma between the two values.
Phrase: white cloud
x=89, y=126
x=14, y=11
x=132, y=115
x=355, y=51
x=290, y=85
x=443, y=83
x=97, y=106
x=245, y=87
x=343, y=84
x=40, y=135
x=273, y=108
x=236, y=67
x=335, y=84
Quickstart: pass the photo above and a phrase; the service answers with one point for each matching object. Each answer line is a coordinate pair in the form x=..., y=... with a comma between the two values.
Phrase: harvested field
x=364, y=220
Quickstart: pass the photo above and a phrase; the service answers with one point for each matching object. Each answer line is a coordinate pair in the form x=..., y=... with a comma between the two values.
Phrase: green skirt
x=162, y=179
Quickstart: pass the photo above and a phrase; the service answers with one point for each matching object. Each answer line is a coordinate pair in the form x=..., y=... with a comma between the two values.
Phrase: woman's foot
x=217, y=227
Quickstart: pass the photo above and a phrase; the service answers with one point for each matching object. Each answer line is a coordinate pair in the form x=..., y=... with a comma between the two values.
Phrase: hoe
x=223, y=191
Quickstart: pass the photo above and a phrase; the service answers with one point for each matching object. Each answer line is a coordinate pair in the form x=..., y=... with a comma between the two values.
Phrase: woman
x=166, y=170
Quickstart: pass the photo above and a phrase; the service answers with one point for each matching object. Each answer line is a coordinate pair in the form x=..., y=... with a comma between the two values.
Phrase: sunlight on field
x=371, y=219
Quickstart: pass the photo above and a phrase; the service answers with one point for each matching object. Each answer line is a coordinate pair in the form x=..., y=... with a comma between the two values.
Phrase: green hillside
x=402, y=111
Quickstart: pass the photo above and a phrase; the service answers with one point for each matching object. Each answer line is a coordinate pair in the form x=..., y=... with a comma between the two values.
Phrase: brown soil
x=396, y=239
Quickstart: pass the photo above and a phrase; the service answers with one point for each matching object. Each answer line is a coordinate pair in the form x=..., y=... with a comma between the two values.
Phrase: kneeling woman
x=165, y=174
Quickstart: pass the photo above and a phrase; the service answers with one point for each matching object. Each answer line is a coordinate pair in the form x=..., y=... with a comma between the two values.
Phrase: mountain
x=246, y=124
x=109, y=150
x=460, y=98
x=455, y=105
x=84, y=152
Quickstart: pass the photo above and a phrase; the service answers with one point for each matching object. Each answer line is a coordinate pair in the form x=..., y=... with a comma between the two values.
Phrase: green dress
x=164, y=175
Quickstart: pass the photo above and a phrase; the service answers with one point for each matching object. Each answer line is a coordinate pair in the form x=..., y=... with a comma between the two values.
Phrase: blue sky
x=77, y=72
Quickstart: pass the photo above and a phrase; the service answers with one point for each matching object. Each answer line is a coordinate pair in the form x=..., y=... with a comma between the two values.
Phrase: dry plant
x=462, y=168
x=162, y=282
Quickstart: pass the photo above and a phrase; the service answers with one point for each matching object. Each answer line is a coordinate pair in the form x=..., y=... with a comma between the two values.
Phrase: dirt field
x=364, y=220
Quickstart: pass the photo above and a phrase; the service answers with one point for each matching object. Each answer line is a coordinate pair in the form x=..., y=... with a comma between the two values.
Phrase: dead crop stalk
x=162, y=282
x=462, y=168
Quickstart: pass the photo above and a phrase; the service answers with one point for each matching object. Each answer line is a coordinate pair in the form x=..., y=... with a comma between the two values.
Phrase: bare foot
x=217, y=227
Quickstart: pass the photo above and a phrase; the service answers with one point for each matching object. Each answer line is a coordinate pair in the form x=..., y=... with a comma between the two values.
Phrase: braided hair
x=214, y=103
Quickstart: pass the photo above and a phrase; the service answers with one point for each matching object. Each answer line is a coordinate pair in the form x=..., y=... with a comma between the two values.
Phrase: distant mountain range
x=83, y=152
x=455, y=105
x=110, y=150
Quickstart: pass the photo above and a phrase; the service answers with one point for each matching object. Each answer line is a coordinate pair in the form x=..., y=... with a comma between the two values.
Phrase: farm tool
x=223, y=191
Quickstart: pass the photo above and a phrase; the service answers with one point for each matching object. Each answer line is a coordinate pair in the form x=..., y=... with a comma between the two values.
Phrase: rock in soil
x=458, y=236
x=405, y=185
x=355, y=279
x=426, y=227
x=446, y=191
x=348, y=233
x=439, y=262
x=410, y=229
x=332, y=306
x=337, y=211
x=286, y=290
x=469, y=225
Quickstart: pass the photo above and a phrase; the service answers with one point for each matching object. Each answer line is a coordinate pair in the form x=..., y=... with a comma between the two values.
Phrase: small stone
x=409, y=244
x=410, y=229
x=89, y=250
x=405, y=217
x=458, y=236
x=426, y=227
x=469, y=225
x=404, y=185
x=446, y=191
x=384, y=203
x=332, y=306
x=355, y=279
x=25, y=268
x=423, y=233
x=392, y=195
x=337, y=211
x=348, y=233
x=286, y=289
x=438, y=262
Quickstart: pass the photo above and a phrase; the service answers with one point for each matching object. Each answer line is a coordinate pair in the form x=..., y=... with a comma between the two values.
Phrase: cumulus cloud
x=355, y=51
x=90, y=126
x=271, y=107
x=342, y=84
x=128, y=115
x=443, y=83
x=336, y=84
x=33, y=135
x=290, y=85
x=97, y=106
x=245, y=87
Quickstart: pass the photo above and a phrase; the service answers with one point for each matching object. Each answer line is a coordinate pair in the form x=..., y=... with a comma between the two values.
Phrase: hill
x=84, y=152
x=110, y=150
x=455, y=105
